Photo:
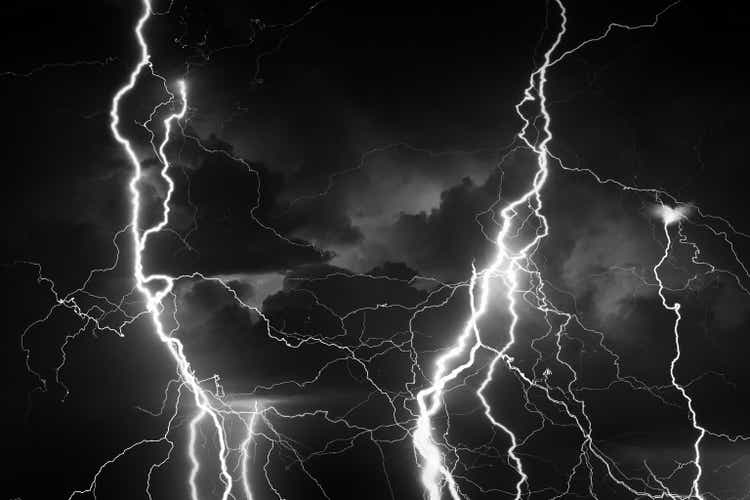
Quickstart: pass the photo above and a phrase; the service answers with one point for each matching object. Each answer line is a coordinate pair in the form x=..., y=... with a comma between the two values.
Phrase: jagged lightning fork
x=671, y=216
x=505, y=265
x=512, y=264
x=163, y=284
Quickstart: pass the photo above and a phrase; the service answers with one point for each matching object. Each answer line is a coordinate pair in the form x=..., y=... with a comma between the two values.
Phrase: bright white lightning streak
x=670, y=216
x=194, y=462
x=506, y=266
x=246, y=453
x=140, y=239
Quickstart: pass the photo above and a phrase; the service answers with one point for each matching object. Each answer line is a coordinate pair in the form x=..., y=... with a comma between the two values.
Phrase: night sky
x=340, y=178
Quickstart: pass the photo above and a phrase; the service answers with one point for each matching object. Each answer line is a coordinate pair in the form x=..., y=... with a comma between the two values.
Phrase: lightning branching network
x=419, y=414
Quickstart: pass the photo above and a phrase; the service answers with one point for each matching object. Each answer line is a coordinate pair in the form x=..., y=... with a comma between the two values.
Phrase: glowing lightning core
x=670, y=215
x=506, y=266
x=163, y=283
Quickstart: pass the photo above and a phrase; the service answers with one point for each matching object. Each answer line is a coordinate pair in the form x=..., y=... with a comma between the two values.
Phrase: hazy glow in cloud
x=670, y=215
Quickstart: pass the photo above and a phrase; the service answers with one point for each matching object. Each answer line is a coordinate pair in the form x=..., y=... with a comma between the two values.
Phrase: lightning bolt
x=155, y=287
x=511, y=274
x=505, y=270
x=671, y=216
x=505, y=266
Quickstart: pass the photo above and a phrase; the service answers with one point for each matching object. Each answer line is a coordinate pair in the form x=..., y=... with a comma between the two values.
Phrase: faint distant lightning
x=57, y=65
x=505, y=266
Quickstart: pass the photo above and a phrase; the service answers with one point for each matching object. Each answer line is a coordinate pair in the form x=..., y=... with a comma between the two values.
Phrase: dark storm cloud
x=445, y=241
x=395, y=204
x=307, y=131
x=408, y=206
x=602, y=246
x=408, y=212
x=221, y=336
x=243, y=289
x=324, y=222
x=216, y=198
x=610, y=258
x=728, y=304
x=385, y=182
x=376, y=213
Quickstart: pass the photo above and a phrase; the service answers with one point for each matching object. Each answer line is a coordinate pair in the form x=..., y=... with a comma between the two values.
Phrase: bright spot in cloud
x=670, y=215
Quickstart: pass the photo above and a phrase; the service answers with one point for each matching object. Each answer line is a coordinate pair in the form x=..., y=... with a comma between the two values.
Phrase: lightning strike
x=671, y=216
x=506, y=265
x=511, y=275
x=140, y=236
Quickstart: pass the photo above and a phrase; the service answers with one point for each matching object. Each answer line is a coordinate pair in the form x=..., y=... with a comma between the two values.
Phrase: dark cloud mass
x=340, y=174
